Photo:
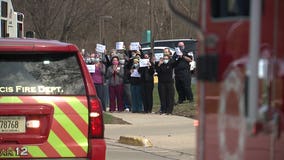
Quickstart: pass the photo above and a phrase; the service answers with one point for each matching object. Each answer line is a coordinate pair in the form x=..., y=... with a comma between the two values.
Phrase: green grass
x=107, y=118
x=186, y=109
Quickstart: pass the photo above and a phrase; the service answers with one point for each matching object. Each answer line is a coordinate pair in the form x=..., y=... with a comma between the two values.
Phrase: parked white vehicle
x=158, y=51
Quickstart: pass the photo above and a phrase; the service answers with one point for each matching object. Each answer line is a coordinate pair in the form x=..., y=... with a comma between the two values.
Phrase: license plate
x=12, y=124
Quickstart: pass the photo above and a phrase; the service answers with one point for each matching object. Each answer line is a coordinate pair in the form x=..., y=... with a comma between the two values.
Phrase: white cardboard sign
x=119, y=46
x=178, y=51
x=143, y=62
x=134, y=46
x=158, y=56
x=91, y=68
x=100, y=48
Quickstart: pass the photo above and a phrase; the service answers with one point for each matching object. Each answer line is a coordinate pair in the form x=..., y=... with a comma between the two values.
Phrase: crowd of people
x=124, y=79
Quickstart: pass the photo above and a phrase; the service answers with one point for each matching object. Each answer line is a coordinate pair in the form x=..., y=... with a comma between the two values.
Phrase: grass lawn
x=108, y=118
x=186, y=109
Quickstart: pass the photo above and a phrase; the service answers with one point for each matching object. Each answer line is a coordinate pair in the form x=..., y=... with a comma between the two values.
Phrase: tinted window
x=40, y=74
x=3, y=28
x=155, y=51
x=190, y=45
x=159, y=51
x=229, y=8
x=4, y=9
x=20, y=17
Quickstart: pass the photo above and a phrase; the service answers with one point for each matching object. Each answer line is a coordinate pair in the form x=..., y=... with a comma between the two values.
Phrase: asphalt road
x=173, y=137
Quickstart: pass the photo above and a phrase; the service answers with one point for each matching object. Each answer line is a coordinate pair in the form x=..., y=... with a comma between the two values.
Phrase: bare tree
x=43, y=15
x=78, y=21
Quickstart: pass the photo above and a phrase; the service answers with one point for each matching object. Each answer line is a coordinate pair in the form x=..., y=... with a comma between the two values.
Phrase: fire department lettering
x=6, y=89
x=24, y=89
x=31, y=89
x=49, y=89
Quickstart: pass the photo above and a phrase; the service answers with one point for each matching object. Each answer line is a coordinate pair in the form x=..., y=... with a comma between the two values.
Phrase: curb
x=135, y=141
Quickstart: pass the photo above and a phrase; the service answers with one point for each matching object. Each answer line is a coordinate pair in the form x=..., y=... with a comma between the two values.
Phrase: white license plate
x=12, y=124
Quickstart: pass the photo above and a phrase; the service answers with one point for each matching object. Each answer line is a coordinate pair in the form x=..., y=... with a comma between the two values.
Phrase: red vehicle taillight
x=96, y=128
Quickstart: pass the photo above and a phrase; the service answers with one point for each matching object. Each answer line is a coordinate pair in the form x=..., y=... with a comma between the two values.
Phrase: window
x=3, y=28
x=40, y=74
x=4, y=9
x=20, y=17
x=20, y=30
x=230, y=8
x=190, y=44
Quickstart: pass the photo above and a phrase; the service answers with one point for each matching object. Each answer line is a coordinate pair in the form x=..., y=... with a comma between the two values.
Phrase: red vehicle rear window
x=40, y=73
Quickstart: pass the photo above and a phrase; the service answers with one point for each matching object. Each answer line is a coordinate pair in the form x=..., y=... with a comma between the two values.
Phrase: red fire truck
x=241, y=80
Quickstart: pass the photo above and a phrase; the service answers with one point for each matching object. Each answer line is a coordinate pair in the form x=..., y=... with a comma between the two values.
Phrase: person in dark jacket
x=166, y=84
x=126, y=62
x=183, y=74
x=147, y=83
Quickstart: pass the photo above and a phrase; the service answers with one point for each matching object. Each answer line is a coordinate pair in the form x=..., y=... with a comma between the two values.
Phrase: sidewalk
x=163, y=131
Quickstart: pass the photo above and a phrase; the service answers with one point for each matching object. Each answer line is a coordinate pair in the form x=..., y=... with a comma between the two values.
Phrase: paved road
x=173, y=137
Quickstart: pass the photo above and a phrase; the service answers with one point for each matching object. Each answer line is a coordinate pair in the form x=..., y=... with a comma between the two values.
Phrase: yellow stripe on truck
x=59, y=146
x=80, y=108
x=10, y=99
x=67, y=124
x=35, y=151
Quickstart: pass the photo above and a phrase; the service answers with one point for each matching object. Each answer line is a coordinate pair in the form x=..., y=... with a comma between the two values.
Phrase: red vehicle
x=49, y=108
x=241, y=80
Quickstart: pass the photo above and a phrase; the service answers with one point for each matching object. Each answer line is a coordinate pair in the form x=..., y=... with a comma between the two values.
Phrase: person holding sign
x=135, y=87
x=166, y=84
x=124, y=61
x=135, y=50
x=98, y=78
x=146, y=71
x=115, y=75
x=182, y=74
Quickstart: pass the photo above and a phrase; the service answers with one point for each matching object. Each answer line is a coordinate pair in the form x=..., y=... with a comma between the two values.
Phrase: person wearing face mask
x=135, y=87
x=167, y=51
x=115, y=75
x=127, y=103
x=91, y=59
x=183, y=74
x=166, y=90
x=98, y=79
x=147, y=83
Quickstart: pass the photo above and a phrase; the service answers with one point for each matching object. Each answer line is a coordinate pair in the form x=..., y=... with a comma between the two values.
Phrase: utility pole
x=102, y=27
x=152, y=25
